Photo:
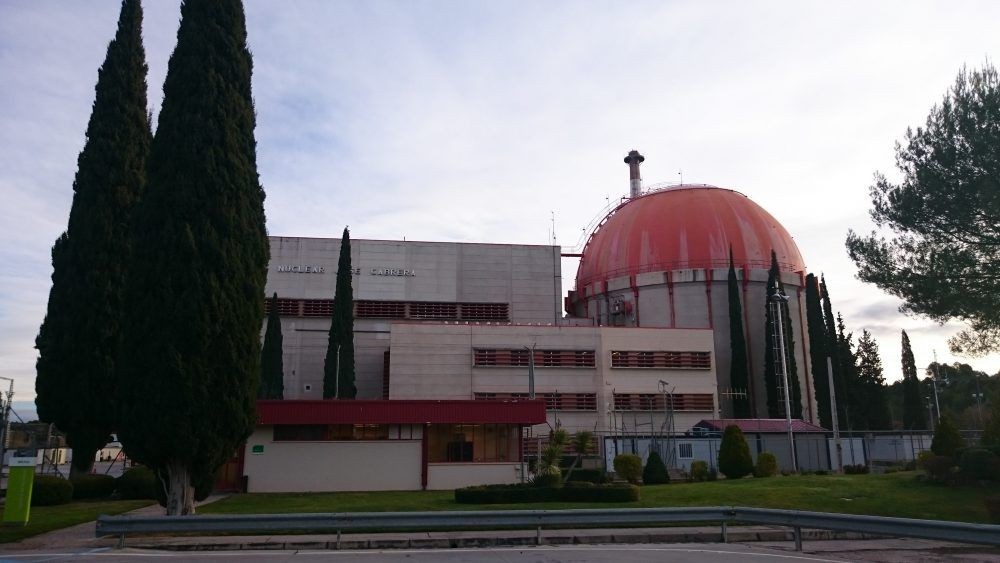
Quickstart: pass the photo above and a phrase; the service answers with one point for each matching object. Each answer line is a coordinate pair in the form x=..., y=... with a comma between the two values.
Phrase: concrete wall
x=525, y=277
x=447, y=476
x=383, y=465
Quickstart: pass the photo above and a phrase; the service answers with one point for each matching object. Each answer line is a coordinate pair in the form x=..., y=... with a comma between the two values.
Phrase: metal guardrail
x=538, y=519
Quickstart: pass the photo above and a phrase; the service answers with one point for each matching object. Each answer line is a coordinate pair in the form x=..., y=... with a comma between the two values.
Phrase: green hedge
x=92, y=486
x=49, y=490
x=138, y=483
x=596, y=476
x=571, y=492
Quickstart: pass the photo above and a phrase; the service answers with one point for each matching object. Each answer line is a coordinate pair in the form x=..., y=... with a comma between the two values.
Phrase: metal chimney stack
x=634, y=159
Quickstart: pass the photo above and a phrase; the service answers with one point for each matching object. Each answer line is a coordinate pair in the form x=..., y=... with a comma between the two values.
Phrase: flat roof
x=351, y=411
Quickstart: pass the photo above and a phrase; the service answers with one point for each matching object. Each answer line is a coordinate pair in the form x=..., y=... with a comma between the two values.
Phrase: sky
x=481, y=121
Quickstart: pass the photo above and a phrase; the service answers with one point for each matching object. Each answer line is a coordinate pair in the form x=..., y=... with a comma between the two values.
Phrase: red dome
x=685, y=227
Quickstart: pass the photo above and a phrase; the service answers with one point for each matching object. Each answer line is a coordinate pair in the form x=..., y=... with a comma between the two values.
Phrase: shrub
x=977, y=463
x=49, y=490
x=939, y=468
x=713, y=474
x=138, y=483
x=596, y=476
x=947, y=439
x=922, y=457
x=859, y=469
x=655, y=472
x=993, y=508
x=92, y=486
x=699, y=471
x=628, y=467
x=546, y=480
x=734, y=454
x=767, y=465
x=821, y=472
x=572, y=492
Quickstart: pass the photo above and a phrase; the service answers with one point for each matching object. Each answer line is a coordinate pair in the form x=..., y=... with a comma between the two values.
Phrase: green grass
x=896, y=494
x=47, y=518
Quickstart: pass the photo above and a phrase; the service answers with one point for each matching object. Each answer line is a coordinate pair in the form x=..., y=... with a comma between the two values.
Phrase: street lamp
x=777, y=299
x=5, y=430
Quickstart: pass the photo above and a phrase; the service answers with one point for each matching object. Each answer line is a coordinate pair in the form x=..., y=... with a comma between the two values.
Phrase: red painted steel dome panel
x=685, y=227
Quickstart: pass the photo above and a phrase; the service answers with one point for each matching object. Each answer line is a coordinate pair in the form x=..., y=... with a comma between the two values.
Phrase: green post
x=19, y=482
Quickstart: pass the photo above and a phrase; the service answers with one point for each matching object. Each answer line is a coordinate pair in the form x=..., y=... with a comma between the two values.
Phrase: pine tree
x=871, y=384
x=196, y=278
x=272, y=371
x=739, y=376
x=818, y=351
x=774, y=382
x=80, y=339
x=913, y=407
x=340, y=349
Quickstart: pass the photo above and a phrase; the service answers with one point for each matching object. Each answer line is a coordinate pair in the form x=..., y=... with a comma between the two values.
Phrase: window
x=329, y=432
x=685, y=451
x=464, y=443
x=307, y=387
x=553, y=401
x=648, y=359
x=659, y=402
x=518, y=357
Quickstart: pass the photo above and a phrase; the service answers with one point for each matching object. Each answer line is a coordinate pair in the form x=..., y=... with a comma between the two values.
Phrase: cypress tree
x=775, y=398
x=196, y=279
x=80, y=339
x=871, y=384
x=913, y=407
x=853, y=418
x=734, y=454
x=833, y=349
x=817, y=351
x=340, y=348
x=272, y=372
x=739, y=377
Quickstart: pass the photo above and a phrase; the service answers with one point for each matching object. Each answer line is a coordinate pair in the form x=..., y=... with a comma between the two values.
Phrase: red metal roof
x=400, y=412
x=685, y=227
x=766, y=425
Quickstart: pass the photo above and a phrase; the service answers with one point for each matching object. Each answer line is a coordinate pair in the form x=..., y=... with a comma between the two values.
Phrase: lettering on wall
x=311, y=269
x=301, y=269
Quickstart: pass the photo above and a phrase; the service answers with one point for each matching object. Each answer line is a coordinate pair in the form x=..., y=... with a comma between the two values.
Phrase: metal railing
x=338, y=523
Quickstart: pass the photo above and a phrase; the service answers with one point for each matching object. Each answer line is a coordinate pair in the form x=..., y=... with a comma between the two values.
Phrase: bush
x=572, y=492
x=978, y=463
x=92, y=486
x=947, y=439
x=49, y=490
x=655, y=472
x=628, y=467
x=821, y=472
x=699, y=471
x=939, y=468
x=922, y=457
x=596, y=476
x=859, y=469
x=138, y=483
x=767, y=465
x=993, y=508
x=546, y=480
x=734, y=454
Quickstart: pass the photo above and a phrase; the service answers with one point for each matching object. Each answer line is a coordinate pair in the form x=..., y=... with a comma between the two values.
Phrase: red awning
x=522, y=412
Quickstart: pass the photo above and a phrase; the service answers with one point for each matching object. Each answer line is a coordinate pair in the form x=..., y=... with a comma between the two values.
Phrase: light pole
x=336, y=376
x=833, y=416
x=5, y=430
x=777, y=300
x=531, y=370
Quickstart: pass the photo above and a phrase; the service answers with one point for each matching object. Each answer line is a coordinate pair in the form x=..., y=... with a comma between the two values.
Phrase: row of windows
x=493, y=357
x=416, y=310
x=340, y=432
x=499, y=357
x=553, y=401
x=660, y=402
x=661, y=359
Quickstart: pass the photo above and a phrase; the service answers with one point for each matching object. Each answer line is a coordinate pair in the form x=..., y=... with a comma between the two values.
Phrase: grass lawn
x=895, y=494
x=47, y=518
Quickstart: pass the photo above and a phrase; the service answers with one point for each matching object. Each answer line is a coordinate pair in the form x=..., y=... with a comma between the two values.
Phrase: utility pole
x=5, y=430
x=833, y=416
x=937, y=405
x=777, y=300
x=531, y=370
x=336, y=376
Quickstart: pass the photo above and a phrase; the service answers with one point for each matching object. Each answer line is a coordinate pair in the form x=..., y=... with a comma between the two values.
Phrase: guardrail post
x=725, y=532
x=121, y=541
x=538, y=536
x=338, y=539
x=797, y=532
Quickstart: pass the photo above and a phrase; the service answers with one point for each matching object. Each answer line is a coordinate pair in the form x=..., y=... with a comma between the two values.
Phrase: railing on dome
x=686, y=265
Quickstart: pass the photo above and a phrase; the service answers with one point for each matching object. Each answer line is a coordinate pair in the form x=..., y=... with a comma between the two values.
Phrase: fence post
x=538, y=536
x=725, y=532
x=797, y=532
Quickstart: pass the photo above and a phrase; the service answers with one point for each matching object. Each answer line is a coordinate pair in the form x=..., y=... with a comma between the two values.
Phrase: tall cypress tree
x=833, y=349
x=196, y=279
x=913, y=406
x=775, y=398
x=272, y=371
x=340, y=347
x=739, y=377
x=853, y=417
x=818, y=351
x=80, y=339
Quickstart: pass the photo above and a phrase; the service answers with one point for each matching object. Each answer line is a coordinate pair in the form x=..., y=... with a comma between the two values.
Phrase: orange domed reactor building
x=660, y=259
